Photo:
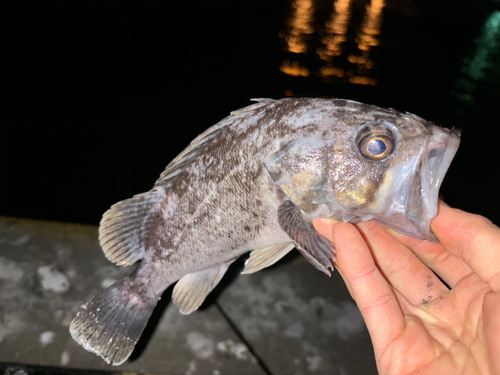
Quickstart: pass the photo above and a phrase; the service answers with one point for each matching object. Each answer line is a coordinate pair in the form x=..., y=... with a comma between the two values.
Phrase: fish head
x=370, y=163
x=407, y=195
x=396, y=167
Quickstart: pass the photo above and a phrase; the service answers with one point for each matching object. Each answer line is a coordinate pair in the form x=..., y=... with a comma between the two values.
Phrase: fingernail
x=328, y=221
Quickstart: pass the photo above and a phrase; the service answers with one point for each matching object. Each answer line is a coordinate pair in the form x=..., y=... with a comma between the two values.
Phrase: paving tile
x=296, y=319
x=27, y=369
x=47, y=270
x=299, y=321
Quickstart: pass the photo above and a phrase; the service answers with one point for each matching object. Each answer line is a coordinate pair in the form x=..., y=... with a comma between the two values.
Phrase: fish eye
x=376, y=143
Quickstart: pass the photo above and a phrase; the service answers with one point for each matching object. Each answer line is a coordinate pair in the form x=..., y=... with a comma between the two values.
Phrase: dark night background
x=100, y=95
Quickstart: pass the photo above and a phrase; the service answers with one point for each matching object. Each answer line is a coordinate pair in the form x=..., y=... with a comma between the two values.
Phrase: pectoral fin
x=267, y=256
x=313, y=246
x=192, y=289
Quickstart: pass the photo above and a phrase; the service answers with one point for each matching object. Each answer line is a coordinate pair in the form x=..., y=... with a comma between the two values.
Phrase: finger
x=324, y=226
x=448, y=266
x=371, y=291
x=474, y=239
x=406, y=273
x=491, y=327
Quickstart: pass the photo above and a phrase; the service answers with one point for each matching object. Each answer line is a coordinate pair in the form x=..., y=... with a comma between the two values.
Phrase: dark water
x=102, y=95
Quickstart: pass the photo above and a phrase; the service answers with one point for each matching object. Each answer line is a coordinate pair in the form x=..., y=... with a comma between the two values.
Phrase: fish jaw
x=415, y=193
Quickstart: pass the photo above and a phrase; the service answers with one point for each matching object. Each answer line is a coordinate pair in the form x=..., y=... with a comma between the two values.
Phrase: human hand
x=416, y=323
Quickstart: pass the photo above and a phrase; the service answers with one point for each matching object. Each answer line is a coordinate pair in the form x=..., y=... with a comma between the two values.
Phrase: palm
x=441, y=332
x=416, y=322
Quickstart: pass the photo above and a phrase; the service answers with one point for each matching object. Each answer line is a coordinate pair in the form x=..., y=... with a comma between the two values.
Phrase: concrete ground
x=287, y=319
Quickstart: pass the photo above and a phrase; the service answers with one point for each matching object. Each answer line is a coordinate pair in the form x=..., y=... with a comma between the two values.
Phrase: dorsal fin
x=260, y=103
x=185, y=157
x=123, y=226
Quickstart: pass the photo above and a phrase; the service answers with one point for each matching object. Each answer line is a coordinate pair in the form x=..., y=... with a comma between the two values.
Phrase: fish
x=252, y=183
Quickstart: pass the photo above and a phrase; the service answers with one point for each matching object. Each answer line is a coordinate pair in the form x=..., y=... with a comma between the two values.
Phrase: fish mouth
x=417, y=205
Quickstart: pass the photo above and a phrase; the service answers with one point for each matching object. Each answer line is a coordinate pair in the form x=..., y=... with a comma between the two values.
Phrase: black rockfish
x=253, y=182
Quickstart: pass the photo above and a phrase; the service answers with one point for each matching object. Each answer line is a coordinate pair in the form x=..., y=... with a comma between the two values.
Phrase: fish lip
x=424, y=192
x=414, y=201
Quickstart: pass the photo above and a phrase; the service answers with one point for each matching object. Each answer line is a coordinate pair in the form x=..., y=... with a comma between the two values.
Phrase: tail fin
x=110, y=325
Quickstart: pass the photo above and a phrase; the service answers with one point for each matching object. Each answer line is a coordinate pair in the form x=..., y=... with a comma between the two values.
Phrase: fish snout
x=422, y=206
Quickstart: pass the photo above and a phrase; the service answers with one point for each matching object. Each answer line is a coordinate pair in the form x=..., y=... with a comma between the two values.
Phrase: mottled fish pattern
x=253, y=182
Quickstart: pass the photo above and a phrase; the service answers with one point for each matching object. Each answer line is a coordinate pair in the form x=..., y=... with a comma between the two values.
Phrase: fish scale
x=254, y=182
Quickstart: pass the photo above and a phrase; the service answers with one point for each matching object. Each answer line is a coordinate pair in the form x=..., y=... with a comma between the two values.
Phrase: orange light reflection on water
x=300, y=26
x=336, y=30
x=294, y=69
x=366, y=40
x=300, y=29
x=370, y=28
x=362, y=80
x=331, y=71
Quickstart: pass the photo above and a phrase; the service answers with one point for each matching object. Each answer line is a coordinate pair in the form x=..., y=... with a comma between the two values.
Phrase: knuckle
x=362, y=274
x=379, y=303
